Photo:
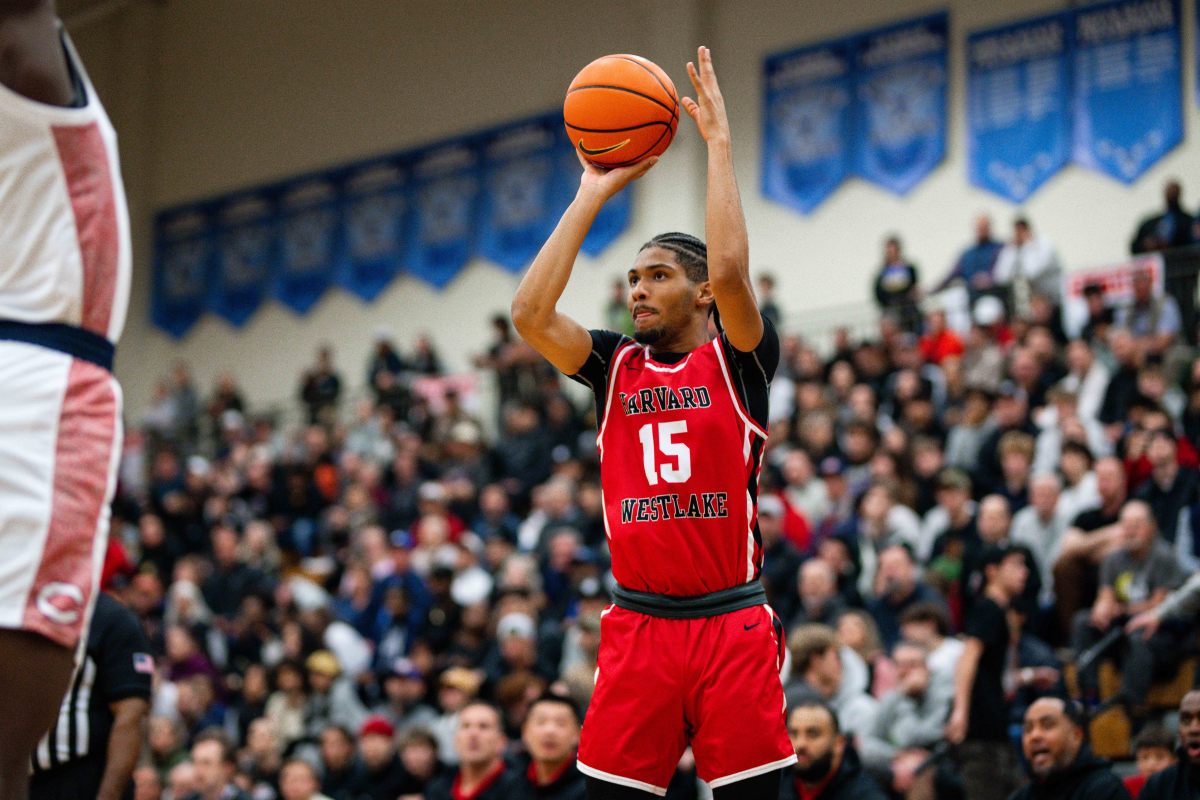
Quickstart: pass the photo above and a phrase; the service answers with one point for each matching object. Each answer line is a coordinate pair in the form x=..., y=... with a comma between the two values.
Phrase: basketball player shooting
x=690, y=652
x=64, y=284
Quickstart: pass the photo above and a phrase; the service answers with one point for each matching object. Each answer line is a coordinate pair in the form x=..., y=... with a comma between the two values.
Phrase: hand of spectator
x=1044, y=678
x=904, y=769
x=1103, y=615
x=1146, y=622
x=956, y=727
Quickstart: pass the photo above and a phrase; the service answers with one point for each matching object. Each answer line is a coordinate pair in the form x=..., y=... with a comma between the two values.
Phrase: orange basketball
x=621, y=109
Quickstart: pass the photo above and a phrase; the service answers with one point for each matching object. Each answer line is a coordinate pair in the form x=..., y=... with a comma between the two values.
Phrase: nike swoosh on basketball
x=587, y=151
x=748, y=627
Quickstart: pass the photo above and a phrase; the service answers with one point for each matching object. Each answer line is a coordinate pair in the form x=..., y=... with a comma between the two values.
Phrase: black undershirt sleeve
x=753, y=371
x=594, y=372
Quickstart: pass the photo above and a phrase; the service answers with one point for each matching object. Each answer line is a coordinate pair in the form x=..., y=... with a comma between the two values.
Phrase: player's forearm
x=534, y=303
x=725, y=222
x=124, y=747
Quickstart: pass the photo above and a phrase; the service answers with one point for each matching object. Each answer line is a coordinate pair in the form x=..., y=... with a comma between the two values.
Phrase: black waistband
x=696, y=607
x=69, y=339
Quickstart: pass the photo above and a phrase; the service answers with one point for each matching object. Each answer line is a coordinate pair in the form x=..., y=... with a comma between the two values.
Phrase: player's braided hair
x=691, y=253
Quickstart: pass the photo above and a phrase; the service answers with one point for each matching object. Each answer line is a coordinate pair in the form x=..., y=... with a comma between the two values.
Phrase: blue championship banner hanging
x=900, y=78
x=309, y=233
x=518, y=211
x=1128, y=89
x=1019, y=105
x=445, y=194
x=375, y=210
x=245, y=252
x=808, y=122
x=182, y=268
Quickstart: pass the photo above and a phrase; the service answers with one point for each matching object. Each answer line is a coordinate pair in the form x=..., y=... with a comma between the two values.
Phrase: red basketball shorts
x=663, y=684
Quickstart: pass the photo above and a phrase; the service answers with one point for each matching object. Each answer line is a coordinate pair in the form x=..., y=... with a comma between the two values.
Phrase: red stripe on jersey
x=58, y=600
x=90, y=185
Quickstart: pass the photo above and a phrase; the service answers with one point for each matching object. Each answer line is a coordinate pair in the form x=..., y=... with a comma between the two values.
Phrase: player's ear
x=704, y=295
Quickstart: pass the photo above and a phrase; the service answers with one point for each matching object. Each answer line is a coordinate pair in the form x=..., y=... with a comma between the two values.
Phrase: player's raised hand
x=607, y=182
x=708, y=109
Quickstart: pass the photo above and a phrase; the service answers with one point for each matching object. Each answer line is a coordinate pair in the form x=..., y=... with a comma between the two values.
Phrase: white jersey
x=64, y=225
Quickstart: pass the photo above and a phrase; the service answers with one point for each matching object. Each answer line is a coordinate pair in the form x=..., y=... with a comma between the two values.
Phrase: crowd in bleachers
x=327, y=599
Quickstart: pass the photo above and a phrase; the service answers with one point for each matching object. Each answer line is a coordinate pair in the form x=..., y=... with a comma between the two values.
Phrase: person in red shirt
x=482, y=773
x=682, y=426
x=1154, y=750
x=939, y=342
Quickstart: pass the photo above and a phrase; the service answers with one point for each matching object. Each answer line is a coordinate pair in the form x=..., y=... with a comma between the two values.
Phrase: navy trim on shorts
x=69, y=339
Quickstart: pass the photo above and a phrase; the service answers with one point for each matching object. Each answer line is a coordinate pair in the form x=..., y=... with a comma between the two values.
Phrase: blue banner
x=518, y=207
x=900, y=80
x=183, y=259
x=446, y=186
x=309, y=242
x=245, y=257
x=1128, y=85
x=808, y=124
x=1019, y=105
x=613, y=219
x=375, y=212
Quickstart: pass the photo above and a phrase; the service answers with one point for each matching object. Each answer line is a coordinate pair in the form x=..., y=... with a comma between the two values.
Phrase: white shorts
x=60, y=442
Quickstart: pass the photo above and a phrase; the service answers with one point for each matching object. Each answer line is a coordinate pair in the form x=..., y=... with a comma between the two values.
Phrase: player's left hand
x=708, y=109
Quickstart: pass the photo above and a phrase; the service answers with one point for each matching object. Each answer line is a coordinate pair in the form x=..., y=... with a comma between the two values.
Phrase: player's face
x=478, y=739
x=551, y=732
x=661, y=298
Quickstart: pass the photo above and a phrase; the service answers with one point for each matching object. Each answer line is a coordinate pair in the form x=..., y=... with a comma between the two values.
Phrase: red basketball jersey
x=679, y=463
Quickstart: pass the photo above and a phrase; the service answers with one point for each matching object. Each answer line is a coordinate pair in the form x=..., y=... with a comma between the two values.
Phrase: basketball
x=621, y=109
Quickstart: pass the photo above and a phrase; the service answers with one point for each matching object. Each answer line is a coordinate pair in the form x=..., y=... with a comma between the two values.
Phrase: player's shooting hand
x=607, y=182
x=708, y=109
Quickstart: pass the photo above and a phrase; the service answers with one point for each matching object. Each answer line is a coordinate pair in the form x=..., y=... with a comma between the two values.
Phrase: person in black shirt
x=1172, y=228
x=1180, y=781
x=106, y=709
x=550, y=735
x=979, y=722
x=482, y=773
x=383, y=775
x=1060, y=764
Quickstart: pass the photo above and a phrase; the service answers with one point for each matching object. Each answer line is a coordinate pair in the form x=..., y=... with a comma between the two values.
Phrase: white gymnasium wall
x=212, y=95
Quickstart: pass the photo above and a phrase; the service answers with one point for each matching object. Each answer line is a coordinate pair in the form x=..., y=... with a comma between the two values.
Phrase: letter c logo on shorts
x=60, y=602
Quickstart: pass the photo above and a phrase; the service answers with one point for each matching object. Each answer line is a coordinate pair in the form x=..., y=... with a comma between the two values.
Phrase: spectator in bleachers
x=550, y=735
x=1040, y=527
x=1100, y=315
x=321, y=387
x=214, y=763
x=978, y=723
x=425, y=359
x=827, y=764
x=897, y=287
x=383, y=774
x=1134, y=578
x=857, y=632
x=768, y=306
x=1093, y=534
x=976, y=263
x=820, y=602
x=1154, y=750
x=781, y=558
x=331, y=697
x=908, y=726
x=298, y=780
x=341, y=768
x=1181, y=779
x=479, y=744
x=817, y=673
x=1170, y=490
x=1171, y=228
x=1033, y=669
x=1087, y=376
x=939, y=342
x=1154, y=322
x=1060, y=764
x=896, y=589
x=983, y=358
x=1025, y=266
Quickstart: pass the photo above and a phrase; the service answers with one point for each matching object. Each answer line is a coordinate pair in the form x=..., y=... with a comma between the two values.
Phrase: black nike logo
x=587, y=151
x=748, y=627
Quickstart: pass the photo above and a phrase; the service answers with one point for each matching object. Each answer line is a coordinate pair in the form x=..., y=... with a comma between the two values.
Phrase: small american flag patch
x=143, y=662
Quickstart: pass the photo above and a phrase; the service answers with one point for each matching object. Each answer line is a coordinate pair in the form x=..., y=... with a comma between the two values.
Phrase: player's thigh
x=738, y=702
x=634, y=732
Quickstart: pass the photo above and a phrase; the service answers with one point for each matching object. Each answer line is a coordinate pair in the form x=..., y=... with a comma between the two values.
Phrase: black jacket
x=1180, y=780
x=568, y=786
x=1088, y=778
x=849, y=782
x=503, y=788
